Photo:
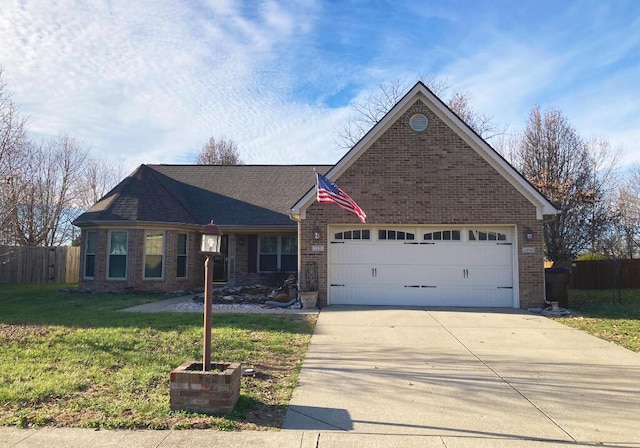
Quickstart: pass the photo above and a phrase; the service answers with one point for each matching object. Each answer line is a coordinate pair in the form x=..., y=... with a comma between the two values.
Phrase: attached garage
x=422, y=266
x=449, y=222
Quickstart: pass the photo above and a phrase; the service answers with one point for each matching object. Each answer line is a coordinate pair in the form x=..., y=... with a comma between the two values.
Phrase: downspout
x=296, y=218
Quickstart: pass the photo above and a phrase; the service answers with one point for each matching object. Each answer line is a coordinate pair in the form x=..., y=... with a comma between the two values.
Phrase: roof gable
x=141, y=196
x=420, y=92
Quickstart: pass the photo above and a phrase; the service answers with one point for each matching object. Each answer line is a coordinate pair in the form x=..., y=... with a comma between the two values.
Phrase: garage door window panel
x=395, y=235
x=442, y=235
x=486, y=235
x=353, y=235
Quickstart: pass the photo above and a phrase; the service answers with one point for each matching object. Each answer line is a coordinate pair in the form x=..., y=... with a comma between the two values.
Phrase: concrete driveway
x=449, y=377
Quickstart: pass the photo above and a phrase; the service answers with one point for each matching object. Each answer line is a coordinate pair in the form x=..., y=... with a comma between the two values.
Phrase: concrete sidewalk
x=86, y=438
x=377, y=377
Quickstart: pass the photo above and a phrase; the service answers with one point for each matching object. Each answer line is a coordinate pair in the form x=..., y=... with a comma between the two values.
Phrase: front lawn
x=70, y=359
x=607, y=314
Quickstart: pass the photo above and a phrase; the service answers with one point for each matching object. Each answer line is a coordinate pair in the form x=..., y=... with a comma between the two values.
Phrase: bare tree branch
x=367, y=112
x=574, y=174
x=219, y=151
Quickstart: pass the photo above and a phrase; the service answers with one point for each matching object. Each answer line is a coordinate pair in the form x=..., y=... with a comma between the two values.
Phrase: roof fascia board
x=180, y=226
x=138, y=225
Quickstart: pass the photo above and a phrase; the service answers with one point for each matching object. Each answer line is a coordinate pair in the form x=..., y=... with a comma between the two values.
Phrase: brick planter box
x=212, y=392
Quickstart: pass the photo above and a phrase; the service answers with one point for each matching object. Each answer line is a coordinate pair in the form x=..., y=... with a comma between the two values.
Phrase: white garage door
x=423, y=266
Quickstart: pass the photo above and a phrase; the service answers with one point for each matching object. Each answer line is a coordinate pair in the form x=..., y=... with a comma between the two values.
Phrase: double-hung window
x=153, y=254
x=90, y=254
x=118, y=241
x=278, y=253
x=181, y=254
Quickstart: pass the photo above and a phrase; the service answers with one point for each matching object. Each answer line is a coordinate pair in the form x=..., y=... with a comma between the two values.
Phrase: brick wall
x=432, y=177
x=243, y=276
x=238, y=269
x=135, y=280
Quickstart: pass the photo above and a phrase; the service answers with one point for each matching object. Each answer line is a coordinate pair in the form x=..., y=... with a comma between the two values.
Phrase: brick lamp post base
x=212, y=392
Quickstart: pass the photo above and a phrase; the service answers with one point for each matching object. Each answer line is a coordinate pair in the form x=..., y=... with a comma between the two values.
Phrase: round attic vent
x=418, y=122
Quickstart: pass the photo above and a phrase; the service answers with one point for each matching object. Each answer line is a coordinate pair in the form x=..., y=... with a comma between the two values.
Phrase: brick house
x=449, y=221
x=145, y=234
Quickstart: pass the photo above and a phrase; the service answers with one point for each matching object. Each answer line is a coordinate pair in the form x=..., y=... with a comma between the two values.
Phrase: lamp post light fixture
x=210, y=247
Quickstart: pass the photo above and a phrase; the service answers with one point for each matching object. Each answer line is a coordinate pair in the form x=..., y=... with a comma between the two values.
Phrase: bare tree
x=97, y=178
x=41, y=191
x=626, y=225
x=219, y=151
x=624, y=233
x=12, y=128
x=13, y=138
x=44, y=186
x=575, y=175
x=482, y=124
x=369, y=110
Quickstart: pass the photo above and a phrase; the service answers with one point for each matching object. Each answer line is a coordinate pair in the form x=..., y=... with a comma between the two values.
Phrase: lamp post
x=210, y=247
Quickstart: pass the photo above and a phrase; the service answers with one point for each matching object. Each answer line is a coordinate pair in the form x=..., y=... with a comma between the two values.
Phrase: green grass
x=610, y=315
x=71, y=359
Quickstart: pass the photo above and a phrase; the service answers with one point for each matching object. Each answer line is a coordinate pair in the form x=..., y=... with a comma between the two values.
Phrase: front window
x=90, y=254
x=289, y=253
x=278, y=253
x=181, y=251
x=153, y=250
x=118, y=241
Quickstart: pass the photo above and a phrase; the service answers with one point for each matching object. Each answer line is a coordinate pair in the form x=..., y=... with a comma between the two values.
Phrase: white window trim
x=144, y=252
x=186, y=255
x=86, y=253
x=126, y=259
x=278, y=253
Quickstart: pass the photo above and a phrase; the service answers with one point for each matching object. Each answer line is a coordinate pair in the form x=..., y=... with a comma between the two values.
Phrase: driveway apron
x=494, y=374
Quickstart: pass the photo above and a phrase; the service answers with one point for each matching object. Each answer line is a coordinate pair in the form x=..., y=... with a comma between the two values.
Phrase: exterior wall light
x=528, y=234
x=316, y=232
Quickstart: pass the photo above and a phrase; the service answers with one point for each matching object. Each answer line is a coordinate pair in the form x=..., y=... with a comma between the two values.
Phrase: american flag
x=329, y=193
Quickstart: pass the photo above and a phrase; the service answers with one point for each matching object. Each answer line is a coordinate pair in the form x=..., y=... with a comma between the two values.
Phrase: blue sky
x=148, y=81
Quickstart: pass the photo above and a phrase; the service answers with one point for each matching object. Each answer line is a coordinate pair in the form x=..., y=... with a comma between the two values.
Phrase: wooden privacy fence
x=606, y=274
x=39, y=264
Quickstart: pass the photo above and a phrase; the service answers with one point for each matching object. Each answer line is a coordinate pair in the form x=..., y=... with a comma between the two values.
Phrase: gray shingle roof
x=232, y=195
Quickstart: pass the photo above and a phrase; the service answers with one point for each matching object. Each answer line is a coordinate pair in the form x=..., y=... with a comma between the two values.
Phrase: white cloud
x=149, y=82
x=155, y=80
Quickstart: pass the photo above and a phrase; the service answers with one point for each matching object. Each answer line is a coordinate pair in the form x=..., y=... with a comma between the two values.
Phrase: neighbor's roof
x=232, y=195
